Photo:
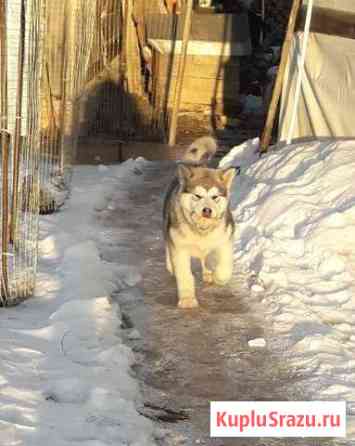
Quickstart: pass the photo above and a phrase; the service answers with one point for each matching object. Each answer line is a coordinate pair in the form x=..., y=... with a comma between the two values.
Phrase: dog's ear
x=184, y=172
x=227, y=176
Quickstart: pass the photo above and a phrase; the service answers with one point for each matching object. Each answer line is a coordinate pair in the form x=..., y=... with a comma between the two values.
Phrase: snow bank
x=65, y=374
x=295, y=215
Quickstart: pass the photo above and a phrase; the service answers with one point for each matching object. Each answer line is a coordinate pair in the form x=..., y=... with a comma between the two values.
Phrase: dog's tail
x=201, y=150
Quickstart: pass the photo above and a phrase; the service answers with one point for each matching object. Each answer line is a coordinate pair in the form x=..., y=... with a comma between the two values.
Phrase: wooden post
x=18, y=122
x=4, y=143
x=64, y=75
x=133, y=66
x=269, y=125
x=5, y=236
x=181, y=72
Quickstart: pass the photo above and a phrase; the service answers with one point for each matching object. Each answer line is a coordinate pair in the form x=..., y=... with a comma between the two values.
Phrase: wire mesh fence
x=120, y=97
x=51, y=51
x=19, y=60
x=40, y=76
x=71, y=69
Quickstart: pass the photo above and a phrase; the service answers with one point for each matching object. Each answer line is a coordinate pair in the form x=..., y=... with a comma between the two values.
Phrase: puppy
x=198, y=221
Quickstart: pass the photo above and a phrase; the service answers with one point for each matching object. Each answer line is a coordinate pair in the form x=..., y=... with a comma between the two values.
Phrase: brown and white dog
x=198, y=221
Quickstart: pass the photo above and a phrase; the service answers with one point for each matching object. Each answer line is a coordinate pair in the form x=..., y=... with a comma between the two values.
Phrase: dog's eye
x=215, y=197
x=198, y=197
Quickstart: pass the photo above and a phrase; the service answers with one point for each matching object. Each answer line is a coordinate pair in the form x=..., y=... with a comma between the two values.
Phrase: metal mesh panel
x=20, y=50
x=50, y=51
x=117, y=99
x=80, y=39
x=55, y=167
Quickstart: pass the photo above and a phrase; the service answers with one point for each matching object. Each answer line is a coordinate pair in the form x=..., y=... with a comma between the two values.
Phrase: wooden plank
x=4, y=145
x=228, y=83
x=210, y=28
x=202, y=91
x=329, y=21
x=17, y=137
x=212, y=61
x=200, y=81
x=201, y=68
x=198, y=47
x=216, y=60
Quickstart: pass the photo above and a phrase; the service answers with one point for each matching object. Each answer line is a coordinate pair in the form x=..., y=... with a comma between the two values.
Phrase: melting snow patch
x=257, y=288
x=257, y=343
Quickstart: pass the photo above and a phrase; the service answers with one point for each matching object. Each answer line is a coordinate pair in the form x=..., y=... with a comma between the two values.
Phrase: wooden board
x=208, y=80
x=200, y=91
x=201, y=67
x=206, y=27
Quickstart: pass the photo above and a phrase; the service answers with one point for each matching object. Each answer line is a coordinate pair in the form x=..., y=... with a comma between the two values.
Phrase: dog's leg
x=224, y=269
x=169, y=266
x=181, y=262
x=207, y=274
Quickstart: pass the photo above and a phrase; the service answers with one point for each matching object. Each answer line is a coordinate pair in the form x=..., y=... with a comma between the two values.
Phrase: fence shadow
x=109, y=111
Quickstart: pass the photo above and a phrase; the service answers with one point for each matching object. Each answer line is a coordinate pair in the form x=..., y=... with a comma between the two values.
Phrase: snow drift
x=65, y=374
x=295, y=215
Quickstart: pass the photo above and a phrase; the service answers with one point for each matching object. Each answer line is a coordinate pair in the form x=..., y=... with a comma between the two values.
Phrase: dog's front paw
x=207, y=276
x=221, y=278
x=188, y=303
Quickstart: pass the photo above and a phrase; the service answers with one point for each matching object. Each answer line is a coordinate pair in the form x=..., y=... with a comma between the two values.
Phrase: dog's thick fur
x=198, y=220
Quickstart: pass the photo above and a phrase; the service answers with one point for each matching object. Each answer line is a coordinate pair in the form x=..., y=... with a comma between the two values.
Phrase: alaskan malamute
x=198, y=220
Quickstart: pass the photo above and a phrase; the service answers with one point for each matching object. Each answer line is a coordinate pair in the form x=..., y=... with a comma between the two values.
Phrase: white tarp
x=339, y=5
x=328, y=86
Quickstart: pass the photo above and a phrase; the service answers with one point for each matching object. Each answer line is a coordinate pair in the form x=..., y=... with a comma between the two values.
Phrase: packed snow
x=65, y=375
x=295, y=216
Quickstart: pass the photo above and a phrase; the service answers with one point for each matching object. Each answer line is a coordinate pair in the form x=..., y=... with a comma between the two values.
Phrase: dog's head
x=204, y=193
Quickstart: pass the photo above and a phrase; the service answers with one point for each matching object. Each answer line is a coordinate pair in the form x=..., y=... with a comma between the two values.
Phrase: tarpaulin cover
x=328, y=86
x=326, y=107
x=339, y=5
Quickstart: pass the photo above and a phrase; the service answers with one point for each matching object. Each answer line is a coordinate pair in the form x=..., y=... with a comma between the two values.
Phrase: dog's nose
x=207, y=212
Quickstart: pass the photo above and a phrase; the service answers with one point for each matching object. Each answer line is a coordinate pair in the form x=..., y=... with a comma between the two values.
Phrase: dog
x=197, y=220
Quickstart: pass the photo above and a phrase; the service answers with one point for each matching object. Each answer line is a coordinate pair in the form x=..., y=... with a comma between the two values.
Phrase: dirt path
x=188, y=358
